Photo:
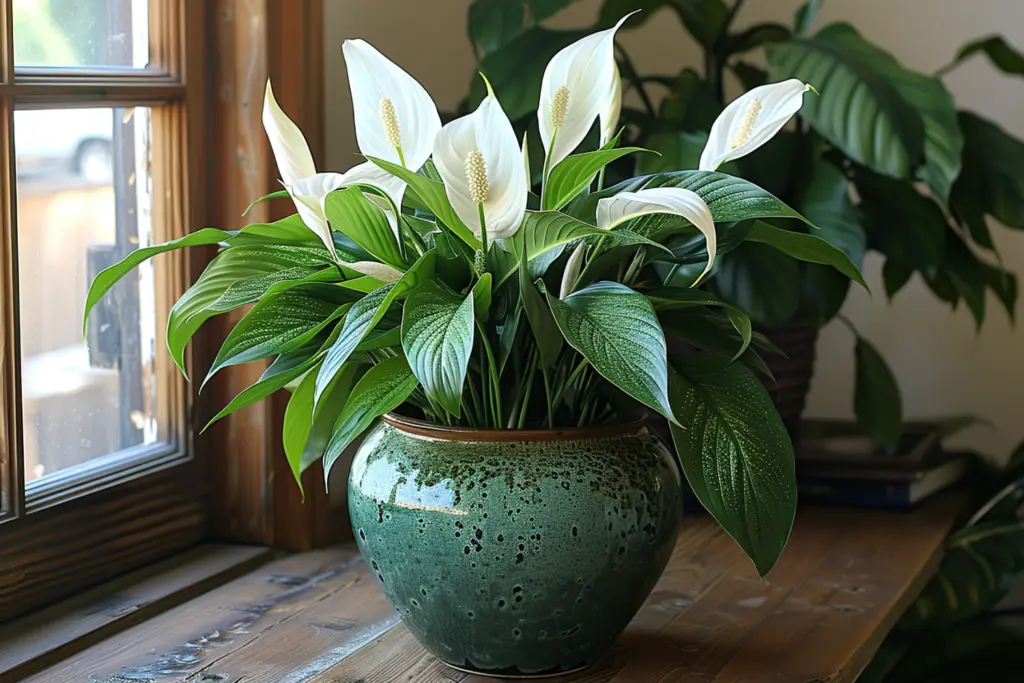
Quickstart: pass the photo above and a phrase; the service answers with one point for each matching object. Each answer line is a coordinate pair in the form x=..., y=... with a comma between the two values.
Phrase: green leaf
x=305, y=431
x=482, y=297
x=756, y=36
x=617, y=331
x=575, y=173
x=276, y=325
x=542, y=324
x=383, y=388
x=350, y=212
x=1003, y=55
x=108, y=277
x=704, y=19
x=876, y=396
x=1003, y=284
x=235, y=277
x=895, y=274
x=433, y=195
x=859, y=111
x=805, y=16
x=280, y=194
x=741, y=279
x=690, y=106
x=544, y=9
x=289, y=230
x=516, y=70
x=735, y=453
x=992, y=182
x=967, y=274
x=707, y=332
x=493, y=23
x=804, y=247
x=981, y=564
x=921, y=238
x=364, y=315
x=730, y=199
x=270, y=382
x=437, y=336
x=675, y=151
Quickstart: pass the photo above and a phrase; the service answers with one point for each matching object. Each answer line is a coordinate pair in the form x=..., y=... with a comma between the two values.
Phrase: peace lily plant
x=430, y=280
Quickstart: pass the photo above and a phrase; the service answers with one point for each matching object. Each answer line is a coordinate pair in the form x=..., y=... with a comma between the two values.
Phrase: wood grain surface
x=318, y=617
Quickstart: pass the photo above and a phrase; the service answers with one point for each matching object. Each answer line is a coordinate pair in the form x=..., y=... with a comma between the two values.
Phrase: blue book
x=885, y=489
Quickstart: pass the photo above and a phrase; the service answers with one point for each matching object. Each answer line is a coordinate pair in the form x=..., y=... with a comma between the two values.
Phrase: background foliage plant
x=883, y=160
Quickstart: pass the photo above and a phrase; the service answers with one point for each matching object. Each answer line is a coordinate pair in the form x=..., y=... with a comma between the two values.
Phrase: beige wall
x=943, y=366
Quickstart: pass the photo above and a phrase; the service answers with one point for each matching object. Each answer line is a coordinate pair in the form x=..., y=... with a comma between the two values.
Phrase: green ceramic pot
x=515, y=553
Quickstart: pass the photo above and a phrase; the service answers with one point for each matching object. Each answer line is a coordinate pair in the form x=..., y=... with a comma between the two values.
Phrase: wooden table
x=317, y=617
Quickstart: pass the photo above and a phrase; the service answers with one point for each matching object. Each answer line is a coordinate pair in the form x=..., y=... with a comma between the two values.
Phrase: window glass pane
x=81, y=33
x=84, y=201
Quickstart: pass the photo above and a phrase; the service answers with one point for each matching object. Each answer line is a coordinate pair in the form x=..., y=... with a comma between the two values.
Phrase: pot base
x=517, y=677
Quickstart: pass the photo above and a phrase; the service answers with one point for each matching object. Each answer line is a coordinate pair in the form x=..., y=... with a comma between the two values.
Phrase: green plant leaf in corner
x=306, y=432
x=437, y=335
x=876, y=396
x=1005, y=57
x=735, y=453
x=804, y=247
x=383, y=388
x=617, y=331
x=576, y=172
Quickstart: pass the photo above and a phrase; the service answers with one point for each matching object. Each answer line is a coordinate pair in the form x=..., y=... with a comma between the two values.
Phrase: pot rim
x=430, y=430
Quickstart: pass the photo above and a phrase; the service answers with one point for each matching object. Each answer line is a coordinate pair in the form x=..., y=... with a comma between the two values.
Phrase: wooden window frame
x=233, y=482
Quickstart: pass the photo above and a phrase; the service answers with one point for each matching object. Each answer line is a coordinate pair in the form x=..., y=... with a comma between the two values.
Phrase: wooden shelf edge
x=61, y=630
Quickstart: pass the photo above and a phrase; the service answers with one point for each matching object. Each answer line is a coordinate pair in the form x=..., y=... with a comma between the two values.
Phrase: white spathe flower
x=613, y=109
x=482, y=164
x=291, y=151
x=617, y=209
x=751, y=120
x=395, y=118
x=378, y=271
x=575, y=91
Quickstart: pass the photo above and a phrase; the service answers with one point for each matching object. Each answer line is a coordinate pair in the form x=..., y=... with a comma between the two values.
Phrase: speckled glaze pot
x=515, y=553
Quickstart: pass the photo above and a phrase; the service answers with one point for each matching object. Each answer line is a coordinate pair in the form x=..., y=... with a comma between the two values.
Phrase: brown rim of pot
x=411, y=425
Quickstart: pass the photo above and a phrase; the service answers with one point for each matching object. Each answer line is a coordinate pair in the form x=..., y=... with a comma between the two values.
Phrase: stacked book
x=837, y=464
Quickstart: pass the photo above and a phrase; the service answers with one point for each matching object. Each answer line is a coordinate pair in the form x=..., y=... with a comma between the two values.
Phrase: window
x=96, y=119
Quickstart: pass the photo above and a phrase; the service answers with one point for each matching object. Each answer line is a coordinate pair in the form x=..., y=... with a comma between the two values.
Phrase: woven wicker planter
x=793, y=371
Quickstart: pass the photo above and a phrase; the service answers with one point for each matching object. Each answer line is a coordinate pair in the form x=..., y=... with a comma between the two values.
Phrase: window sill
x=313, y=617
x=60, y=631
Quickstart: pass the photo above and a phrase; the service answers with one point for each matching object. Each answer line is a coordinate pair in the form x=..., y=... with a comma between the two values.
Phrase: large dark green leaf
x=735, y=453
x=1003, y=55
x=516, y=70
x=542, y=325
x=903, y=224
x=350, y=212
x=237, y=276
x=992, y=182
x=805, y=247
x=493, y=23
x=383, y=388
x=860, y=111
x=617, y=331
x=110, y=276
x=276, y=325
x=437, y=335
x=364, y=315
x=742, y=276
x=981, y=564
x=575, y=173
x=876, y=396
x=967, y=275
x=433, y=195
x=712, y=333
x=306, y=431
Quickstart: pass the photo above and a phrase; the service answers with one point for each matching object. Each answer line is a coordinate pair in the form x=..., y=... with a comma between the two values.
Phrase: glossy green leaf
x=921, y=239
x=383, y=388
x=482, y=297
x=575, y=173
x=433, y=194
x=617, y=331
x=1003, y=55
x=741, y=279
x=981, y=564
x=805, y=247
x=270, y=382
x=876, y=396
x=860, y=112
x=305, y=431
x=437, y=336
x=542, y=324
x=275, y=325
x=364, y=315
x=110, y=276
x=237, y=276
x=350, y=212
x=992, y=182
x=715, y=334
x=735, y=453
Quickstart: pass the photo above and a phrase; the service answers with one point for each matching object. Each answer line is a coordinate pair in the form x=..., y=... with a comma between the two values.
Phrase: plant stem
x=529, y=387
x=634, y=79
x=600, y=179
x=492, y=368
x=547, y=396
x=570, y=379
x=483, y=232
x=593, y=255
x=547, y=167
x=475, y=398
